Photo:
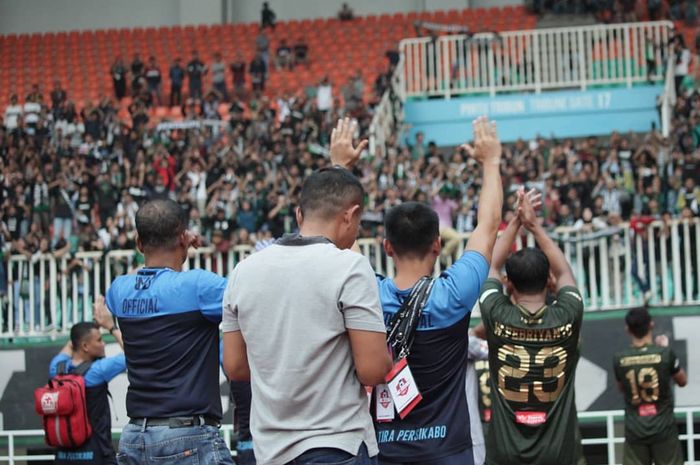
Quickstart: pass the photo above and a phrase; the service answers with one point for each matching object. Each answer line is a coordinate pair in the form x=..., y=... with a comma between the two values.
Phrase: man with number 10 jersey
x=533, y=350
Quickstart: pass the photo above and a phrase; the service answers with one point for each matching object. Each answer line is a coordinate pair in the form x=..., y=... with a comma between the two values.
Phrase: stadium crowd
x=80, y=175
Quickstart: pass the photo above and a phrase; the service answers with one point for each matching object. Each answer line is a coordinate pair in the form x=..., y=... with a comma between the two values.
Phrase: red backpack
x=63, y=407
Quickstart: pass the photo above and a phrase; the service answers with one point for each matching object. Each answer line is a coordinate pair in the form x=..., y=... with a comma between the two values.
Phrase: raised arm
x=342, y=152
x=487, y=152
x=102, y=316
x=557, y=261
x=503, y=246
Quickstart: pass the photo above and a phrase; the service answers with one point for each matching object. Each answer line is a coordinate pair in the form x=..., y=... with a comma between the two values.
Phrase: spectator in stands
x=267, y=17
x=284, y=55
x=324, y=95
x=137, y=66
x=258, y=73
x=31, y=111
x=195, y=70
x=63, y=209
x=58, y=96
x=177, y=77
x=119, y=77
x=346, y=13
x=301, y=52
x=682, y=60
x=238, y=73
x=154, y=79
x=84, y=354
x=262, y=47
x=13, y=113
x=218, y=76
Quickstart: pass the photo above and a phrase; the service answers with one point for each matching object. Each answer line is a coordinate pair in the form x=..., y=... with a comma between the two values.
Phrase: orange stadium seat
x=81, y=59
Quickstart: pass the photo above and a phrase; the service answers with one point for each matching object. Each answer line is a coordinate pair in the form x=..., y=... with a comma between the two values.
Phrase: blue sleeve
x=53, y=366
x=104, y=370
x=210, y=295
x=459, y=286
x=221, y=354
x=110, y=299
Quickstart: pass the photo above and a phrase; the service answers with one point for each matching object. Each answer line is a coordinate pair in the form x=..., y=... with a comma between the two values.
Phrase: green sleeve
x=674, y=363
x=490, y=298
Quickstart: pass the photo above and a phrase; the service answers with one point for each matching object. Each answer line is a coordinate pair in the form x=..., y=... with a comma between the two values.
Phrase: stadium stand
x=81, y=59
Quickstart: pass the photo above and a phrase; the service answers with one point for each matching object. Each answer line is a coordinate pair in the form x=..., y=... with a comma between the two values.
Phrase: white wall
x=27, y=16
x=21, y=16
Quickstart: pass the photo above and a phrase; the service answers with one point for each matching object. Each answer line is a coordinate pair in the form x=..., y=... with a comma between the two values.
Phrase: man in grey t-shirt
x=302, y=320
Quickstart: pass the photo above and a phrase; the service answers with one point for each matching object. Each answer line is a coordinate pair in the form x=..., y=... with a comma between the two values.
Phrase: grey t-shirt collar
x=298, y=239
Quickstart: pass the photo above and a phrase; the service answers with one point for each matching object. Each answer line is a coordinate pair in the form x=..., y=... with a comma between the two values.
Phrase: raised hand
x=487, y=146
x=342, y=151
x=526, y=211
x=101, y=314
x=193, y=240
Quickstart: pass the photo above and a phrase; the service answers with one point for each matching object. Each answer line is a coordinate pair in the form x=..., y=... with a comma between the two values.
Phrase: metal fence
x=534, y=60
x=14, y=454
x=614, y=268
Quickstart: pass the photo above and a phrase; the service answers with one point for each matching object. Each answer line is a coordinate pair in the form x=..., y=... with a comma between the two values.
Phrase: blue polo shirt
x=170, y=325
x=439, y=424
x=101, y=371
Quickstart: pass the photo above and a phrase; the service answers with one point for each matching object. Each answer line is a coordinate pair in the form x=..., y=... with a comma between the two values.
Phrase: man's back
x=293, y=305
x=169, y=322
x=99, y=447
x=436, y=427
x=532, y=358
x=645, y=374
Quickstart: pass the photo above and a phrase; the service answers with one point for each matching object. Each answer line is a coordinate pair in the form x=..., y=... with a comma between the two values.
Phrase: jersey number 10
x=550, y=362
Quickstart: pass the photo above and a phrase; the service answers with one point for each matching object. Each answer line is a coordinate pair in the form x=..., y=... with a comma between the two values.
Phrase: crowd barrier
x=615, y=268
x=13, y=454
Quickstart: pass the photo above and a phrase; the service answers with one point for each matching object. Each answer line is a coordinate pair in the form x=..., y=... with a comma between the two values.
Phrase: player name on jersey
x=533, y=334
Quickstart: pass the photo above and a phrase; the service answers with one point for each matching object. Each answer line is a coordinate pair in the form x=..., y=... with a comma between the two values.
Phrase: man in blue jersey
x=436, y=431
x=84, y=354
x=170, y=323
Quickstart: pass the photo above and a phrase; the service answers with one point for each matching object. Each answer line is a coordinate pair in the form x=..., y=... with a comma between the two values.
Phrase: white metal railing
x=609, y=417
x=388, y=114
x=614, y=267
x=534, y=60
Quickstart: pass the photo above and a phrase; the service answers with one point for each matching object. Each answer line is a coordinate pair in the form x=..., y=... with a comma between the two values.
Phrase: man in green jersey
x=533, y=349
x=644, y=373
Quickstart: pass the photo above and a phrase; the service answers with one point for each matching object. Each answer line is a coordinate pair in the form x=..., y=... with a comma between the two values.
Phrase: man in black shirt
x=258, y=70
x=119, y=78
x=177, y=76
x=153, y=78
x=267, y=16
x=195, y=71
x=136, y=66
x=238, y=71
x=58, y=96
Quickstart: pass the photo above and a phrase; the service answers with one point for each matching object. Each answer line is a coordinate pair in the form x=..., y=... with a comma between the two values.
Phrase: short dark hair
x=160, y=222
x=411, y=228
x=528, y=270
x=329, y=191
x=638, y=321
x=80, y=331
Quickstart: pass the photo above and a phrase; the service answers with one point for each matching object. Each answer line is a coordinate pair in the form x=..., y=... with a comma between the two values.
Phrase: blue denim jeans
x=329, y=456
x=162, y=445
